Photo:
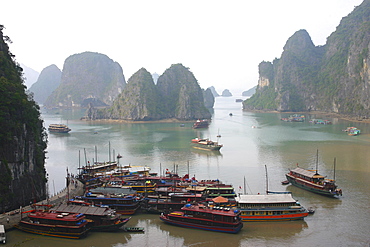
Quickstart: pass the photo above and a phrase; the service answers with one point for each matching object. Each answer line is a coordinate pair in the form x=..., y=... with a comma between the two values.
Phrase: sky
x=221, y=42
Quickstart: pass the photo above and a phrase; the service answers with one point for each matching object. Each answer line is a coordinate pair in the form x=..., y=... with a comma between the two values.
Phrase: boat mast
x=267, y=182
x=317, y=162
x=245, y=190
x=334, y=168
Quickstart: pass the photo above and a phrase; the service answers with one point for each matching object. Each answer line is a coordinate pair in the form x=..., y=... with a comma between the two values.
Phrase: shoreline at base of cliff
x=326, y=114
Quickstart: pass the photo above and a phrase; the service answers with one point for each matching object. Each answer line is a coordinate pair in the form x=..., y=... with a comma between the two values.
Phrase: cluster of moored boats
x=113, y=193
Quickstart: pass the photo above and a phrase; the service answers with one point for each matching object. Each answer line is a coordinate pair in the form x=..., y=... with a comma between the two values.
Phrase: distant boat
x=238, y=100
x=201, y=123
x=205, y=217
x=59, y=128
x=312, y=181
x=205, y=144
x=352, y=131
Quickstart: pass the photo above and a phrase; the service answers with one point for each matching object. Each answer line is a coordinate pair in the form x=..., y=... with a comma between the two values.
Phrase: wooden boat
x=270, y=207
x=201, y=123
x=352, y=131
x=98, y=218
x=54, y=224
x=205, y=144
x=205, y=217
x=165, y=204
x=58, y=128
x=122, y=204
x=312, y=181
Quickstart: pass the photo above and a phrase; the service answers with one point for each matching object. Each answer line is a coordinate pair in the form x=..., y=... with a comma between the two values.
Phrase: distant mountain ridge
x=47, y=82
x=30, y=75
x=330, y=78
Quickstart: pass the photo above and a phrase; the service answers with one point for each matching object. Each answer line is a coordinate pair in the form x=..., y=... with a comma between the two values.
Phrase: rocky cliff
x=22, y=137
x=48, y=80
x=177, y=94
x=88, y=77
x=331, y=78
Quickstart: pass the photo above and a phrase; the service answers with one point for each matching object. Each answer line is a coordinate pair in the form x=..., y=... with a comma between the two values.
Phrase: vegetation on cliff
x=330, y=78
x=88, y=77
x=22, y=137
x=177, y=94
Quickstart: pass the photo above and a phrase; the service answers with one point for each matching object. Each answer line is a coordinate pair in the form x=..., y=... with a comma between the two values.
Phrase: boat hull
x=310, y=187
x=206, y=147
x=285, y=217
x=51, y=231
x=110, y=228
x=236, y=229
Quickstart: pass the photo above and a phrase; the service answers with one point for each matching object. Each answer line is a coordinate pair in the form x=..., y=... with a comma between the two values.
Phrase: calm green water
x=276, y=144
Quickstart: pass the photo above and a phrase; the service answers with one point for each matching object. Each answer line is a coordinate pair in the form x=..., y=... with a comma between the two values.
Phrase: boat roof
x=270, y=198
x=55, y=216
x=307, y=173
x=213, y=210
x=88, y=210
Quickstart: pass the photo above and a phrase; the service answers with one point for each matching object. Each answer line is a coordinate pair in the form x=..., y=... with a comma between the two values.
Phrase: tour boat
x=59, y=128
x=205, y=144
x=174, y=201
x=201, y=123
x=63, y=225
x=270, y=207
x=312, y=181
x=122, y=204
x=98, y=218
x=205, y=217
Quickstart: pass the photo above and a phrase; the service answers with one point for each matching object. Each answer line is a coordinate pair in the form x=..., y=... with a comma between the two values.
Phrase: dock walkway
x=12, y=218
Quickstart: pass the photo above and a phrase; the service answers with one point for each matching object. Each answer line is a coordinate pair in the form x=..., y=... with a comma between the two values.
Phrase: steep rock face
x=209, y=99
x=181, y=94
x=22, y=138
x=46, y=83
x=88, y=76
x=226, y=93
x=330, y=78
x=214, y=92
x=138, y=101
x=176, y=95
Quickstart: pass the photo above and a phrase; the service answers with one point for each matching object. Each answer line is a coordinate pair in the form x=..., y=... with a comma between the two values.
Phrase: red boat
x=201, y=123
x=205, y=217
x=100, y=219
x=54, y=224
x=205, y=144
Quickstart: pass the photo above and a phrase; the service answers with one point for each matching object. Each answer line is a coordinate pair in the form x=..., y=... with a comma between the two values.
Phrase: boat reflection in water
x=206, y=152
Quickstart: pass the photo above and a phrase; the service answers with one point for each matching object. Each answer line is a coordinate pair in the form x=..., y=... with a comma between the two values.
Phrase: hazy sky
x=222, y=42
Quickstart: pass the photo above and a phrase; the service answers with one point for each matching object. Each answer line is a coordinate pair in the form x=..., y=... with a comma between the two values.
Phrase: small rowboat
x=285, y=182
